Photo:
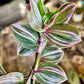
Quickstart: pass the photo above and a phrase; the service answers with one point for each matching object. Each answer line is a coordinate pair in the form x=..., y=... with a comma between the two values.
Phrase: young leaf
x=24, y=52
x=65, y=13
x=50, y=73
x=34, y=17
x=12, y=78
x=2, y=71
x=47, y=18
x=63, y=35
x=52, y=54
x=25, y=35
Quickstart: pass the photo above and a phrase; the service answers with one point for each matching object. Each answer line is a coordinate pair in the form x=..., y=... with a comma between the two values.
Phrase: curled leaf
x=24, y=52
x=25, y=35
x=50, y=73
x=52, y=54
x=63, y=35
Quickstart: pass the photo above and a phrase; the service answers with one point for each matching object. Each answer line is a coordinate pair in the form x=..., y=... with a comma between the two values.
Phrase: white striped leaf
x=65, y=13
x=52, y=54
x=25, y=35
x=50, y=73
x=2, y=71
x=12, y=78
x=40, y=6
x=34, y=17
x=24, y=52
x=62, y=15
x=63, y=35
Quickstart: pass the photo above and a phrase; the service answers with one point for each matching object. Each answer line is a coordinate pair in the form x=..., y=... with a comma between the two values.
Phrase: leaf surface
x=12, y=78
x=52, y=54
x=25, y=35
x=24, y=52
x=34, y=17
x=63, y=35
x=50, y=73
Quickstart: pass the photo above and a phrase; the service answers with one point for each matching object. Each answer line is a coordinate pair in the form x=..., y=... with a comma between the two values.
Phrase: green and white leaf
x=63, y=35
x=65, y=13
x=12, y=78
x=41, y=7
x=25, y=35
x=34, y=17
x=52, y=54
x=24, y=52
x=50, y=73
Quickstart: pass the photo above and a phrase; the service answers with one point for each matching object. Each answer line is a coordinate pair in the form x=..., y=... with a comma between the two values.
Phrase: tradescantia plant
x=45, y=26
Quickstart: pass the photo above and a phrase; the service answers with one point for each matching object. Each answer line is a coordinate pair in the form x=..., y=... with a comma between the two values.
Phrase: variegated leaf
x=52, y=54
x=40, y=5
x=2, y=71
x=50, y=73
x=12, y=78
x=34, y=17
x=25, y=35
x=65, y=13
x=62, y=15
x=24, y=52
x=63, y=35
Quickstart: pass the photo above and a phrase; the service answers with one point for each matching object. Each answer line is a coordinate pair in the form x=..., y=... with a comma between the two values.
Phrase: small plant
x=44, y=27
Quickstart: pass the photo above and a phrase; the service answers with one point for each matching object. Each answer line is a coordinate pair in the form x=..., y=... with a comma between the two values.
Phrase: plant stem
x=37, y=59
x=37, y=62
x=36, y=65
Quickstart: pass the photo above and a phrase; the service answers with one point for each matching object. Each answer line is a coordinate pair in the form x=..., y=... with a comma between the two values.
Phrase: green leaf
x=12, y=78
x=73, y=77
x=50, y=73
x=65, y=13
x=47, y=18
x=2, y=71
x=25, y=35
x=24, y=52
x=34, y=17
x=52, y=54
x=63, y=35
x=40, y=5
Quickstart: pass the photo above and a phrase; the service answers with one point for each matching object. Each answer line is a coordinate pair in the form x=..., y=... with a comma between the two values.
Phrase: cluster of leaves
x=46, y=26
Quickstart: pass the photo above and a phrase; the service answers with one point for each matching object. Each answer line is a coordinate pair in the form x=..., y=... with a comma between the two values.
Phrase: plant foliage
x=44, y=26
